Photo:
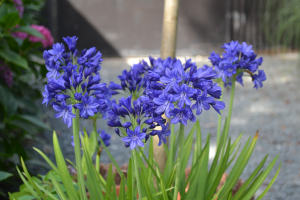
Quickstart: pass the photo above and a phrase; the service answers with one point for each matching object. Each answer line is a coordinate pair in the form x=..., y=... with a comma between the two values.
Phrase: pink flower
x=20, y=35
x=19, y=6
x=47, y=40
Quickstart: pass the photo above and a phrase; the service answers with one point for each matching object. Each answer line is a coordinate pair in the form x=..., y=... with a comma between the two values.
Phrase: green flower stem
x=95, y=125
x=230, y=107
x=97, y=164
x=78, y=155
x=220, y=116
x=178, y=164
x=136, y=169
x=98, y=160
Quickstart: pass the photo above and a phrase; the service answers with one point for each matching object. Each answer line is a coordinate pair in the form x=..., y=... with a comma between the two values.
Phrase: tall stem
x=230, y=106
x=136, y=169
x=168, y=48
x=220, y=117
x=97, y=164
x=98, y=160
x=78, y=155
x=178, y=164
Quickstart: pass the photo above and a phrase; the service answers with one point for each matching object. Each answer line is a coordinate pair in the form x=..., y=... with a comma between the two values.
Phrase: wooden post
x=168, y=48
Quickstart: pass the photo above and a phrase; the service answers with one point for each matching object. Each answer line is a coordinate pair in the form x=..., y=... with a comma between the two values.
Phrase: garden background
x=127, y=31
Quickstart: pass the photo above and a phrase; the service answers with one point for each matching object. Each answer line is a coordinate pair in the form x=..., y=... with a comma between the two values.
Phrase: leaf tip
x=256, y=135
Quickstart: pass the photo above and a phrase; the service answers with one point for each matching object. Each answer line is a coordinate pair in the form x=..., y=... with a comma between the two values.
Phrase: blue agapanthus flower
x=168, y=88
x=133, y=81
x=74, y=82
x=128, y=115
x=135, y=138
x=176, y=89
x=238, y=59
x=65, y=111
x=105, y=137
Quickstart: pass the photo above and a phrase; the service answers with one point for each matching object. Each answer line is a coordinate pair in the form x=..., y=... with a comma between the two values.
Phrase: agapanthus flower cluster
x=102, y=134
x=238, y=59
x=74, y=82
x=170, y=88
x=133, y=81
x=135, y=122
x=176, y=89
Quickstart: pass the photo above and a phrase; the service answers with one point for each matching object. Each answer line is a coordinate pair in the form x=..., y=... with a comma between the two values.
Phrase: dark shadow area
x=206, y=19
x=64, y=20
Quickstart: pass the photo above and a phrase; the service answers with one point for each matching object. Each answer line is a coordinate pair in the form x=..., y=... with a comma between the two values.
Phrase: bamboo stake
x=168, y=48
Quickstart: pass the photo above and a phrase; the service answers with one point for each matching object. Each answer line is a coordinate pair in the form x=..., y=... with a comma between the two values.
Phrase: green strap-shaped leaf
x=255, y=185
x=250, y=179
x=92, y=182
x=47, y=160
x=111, y=157
x=232, y=148
x=213, y=187
x=40, y=193
x=63, y=170
x=29, y=30
x=34, y=121
x=8, y=101
x=203, y=171
x=13, y=57
x=149, y=164
x=46, y=192
x=238, y=168
x=4, y=175
x=122, y=190
x=162, y=185
x=130, y=174
x=144, y=180
x=28, y=186
x=270, y=184
x=216, y=159
x=10, y=20
x=58, y=189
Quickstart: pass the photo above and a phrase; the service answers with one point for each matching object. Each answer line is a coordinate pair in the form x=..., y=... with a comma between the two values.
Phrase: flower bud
x=117, y=131
x=127, y=124
x=78, y=96
x=152, y=126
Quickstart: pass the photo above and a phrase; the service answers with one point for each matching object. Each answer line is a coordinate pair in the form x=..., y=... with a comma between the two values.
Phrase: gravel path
x=273, y=110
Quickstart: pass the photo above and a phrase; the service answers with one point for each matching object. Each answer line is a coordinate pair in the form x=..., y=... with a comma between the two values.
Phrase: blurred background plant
x=282, y=23
x=21, y=42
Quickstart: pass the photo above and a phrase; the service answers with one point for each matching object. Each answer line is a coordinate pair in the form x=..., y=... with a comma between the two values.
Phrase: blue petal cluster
x=167, y=87
x=177, y=89
x=134, y=121
x=74, y=82
x=133, y=81
x=238, y=59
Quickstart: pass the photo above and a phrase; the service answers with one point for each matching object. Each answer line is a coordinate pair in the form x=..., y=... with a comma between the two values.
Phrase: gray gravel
x=273, y=110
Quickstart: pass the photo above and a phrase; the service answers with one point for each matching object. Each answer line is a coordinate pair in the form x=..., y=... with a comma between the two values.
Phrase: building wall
x=134, y=27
